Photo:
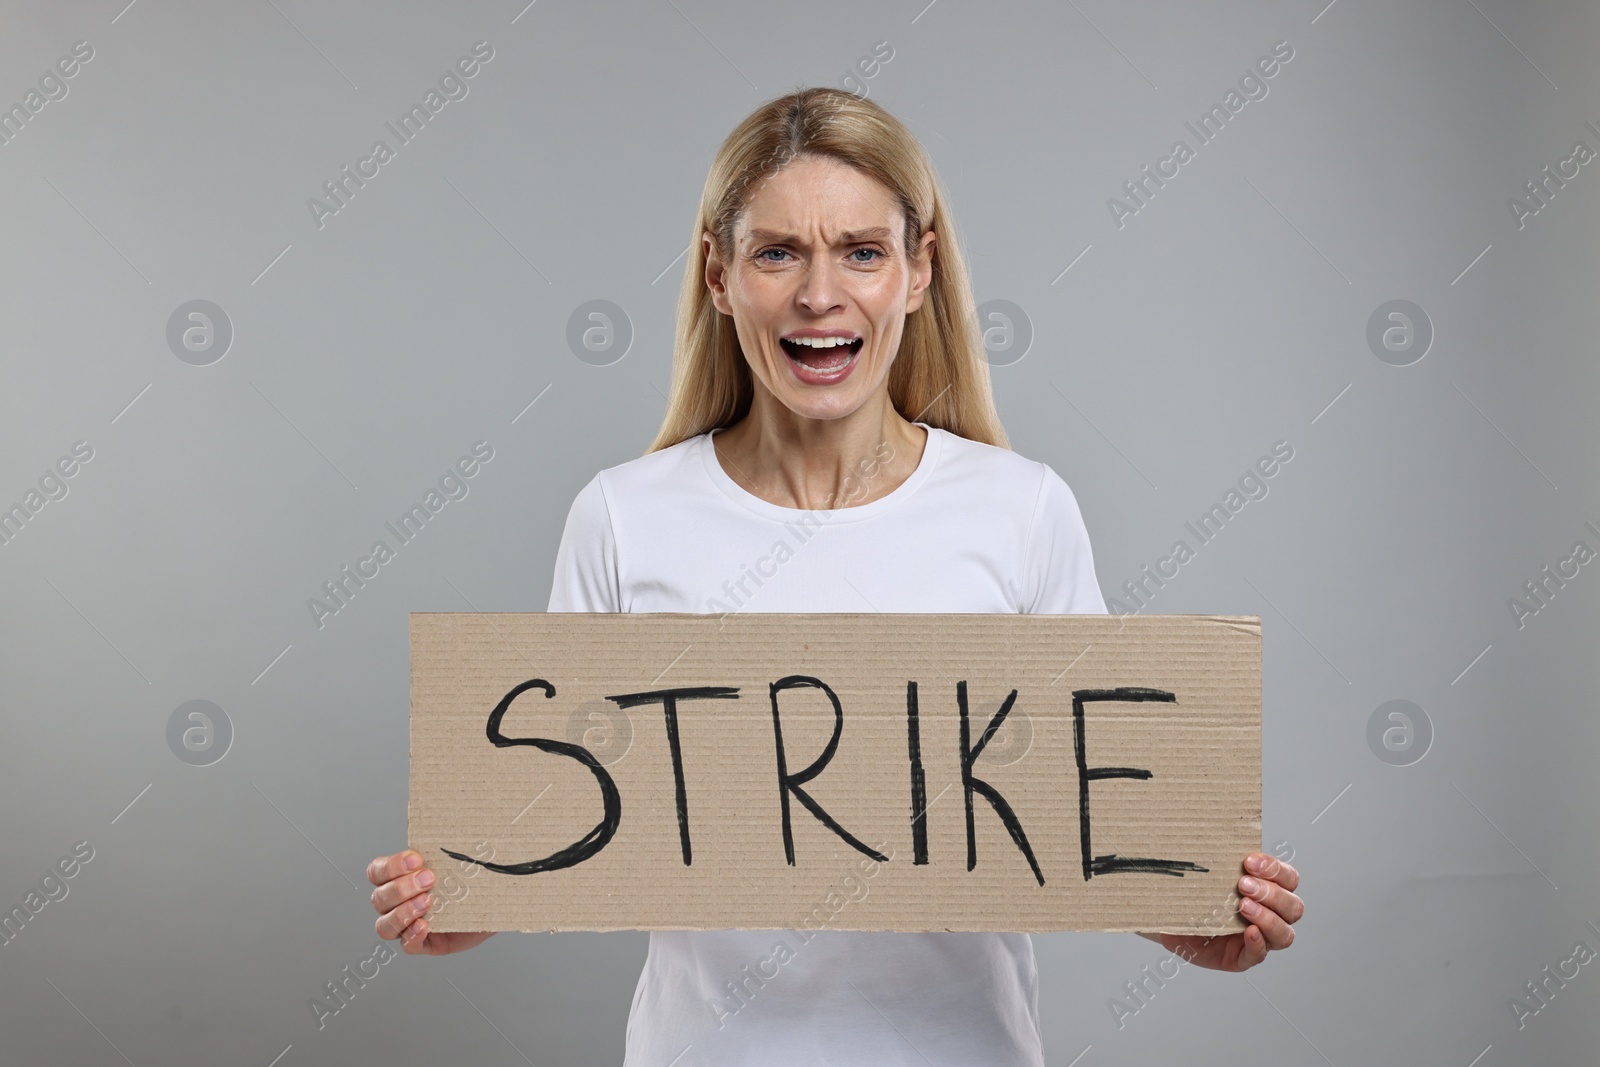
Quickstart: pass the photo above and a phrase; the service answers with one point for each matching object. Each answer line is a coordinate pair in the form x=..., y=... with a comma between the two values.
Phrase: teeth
x=820, y=342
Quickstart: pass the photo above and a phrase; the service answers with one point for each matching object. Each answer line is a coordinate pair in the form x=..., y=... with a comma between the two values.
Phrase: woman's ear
x=716, y=275
x=921, y=271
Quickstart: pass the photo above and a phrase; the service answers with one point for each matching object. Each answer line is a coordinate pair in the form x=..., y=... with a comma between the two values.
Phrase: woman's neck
x=820, y=464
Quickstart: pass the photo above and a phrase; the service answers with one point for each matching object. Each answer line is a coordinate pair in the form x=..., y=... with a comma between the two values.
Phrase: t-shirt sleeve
x=1058, y=569
x=586, y=561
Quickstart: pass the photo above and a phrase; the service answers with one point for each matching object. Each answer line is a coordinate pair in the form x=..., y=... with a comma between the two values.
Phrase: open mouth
x=822, y=360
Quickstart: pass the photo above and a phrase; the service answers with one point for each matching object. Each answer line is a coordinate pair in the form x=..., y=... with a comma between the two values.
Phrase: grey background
x=369, y=354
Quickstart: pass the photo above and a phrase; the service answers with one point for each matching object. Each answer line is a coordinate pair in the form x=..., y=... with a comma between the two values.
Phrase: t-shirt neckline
x=833, y=516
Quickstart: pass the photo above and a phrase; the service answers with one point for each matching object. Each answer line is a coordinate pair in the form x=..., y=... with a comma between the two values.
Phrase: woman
x=831, y=418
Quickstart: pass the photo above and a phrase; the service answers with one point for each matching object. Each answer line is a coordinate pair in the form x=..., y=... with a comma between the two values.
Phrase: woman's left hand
x=1269, y=905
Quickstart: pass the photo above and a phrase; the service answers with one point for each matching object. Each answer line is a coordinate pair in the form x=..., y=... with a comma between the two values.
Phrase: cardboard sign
x=858, y=771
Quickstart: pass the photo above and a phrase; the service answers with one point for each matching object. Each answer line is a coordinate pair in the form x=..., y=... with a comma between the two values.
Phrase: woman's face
x=819, y=260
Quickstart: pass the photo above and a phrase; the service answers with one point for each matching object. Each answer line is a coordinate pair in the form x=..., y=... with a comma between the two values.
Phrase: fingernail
x=420, y=904
x=1249, y=907
x=1258, y=864
x=413, y=861
x=1247, y=884
x=425, y=879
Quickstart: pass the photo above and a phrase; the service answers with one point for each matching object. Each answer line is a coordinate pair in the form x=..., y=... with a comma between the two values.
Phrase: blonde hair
x=940, y=375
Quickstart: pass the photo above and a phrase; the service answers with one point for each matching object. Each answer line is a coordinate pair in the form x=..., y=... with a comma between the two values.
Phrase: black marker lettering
x=791, y=783
x=1111, y=862
x=668, y=699
x=595, y=839
x=970, y=783
x=919, y=788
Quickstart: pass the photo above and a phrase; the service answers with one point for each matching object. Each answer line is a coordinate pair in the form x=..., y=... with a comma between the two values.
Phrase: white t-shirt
x=975, y=528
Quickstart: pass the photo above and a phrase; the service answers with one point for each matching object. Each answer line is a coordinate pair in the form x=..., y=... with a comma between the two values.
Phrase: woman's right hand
x=402, y=898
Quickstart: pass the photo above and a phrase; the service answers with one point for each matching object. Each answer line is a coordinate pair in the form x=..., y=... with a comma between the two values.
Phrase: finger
x=1275, y=869
x=1273, y=896
x=391, y=894
x=392, y=923
x=388, y=868
x=1276, y=932
x=414, y=939
x=1254, y=950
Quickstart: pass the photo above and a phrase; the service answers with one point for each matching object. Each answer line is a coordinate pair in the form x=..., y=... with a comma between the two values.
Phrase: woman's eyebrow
x=874, y=233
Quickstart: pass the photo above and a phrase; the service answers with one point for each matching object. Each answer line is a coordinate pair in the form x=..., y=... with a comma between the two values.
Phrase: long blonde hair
x=940, y=375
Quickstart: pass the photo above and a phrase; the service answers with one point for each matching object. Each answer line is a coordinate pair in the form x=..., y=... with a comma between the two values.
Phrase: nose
x=819, y=288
